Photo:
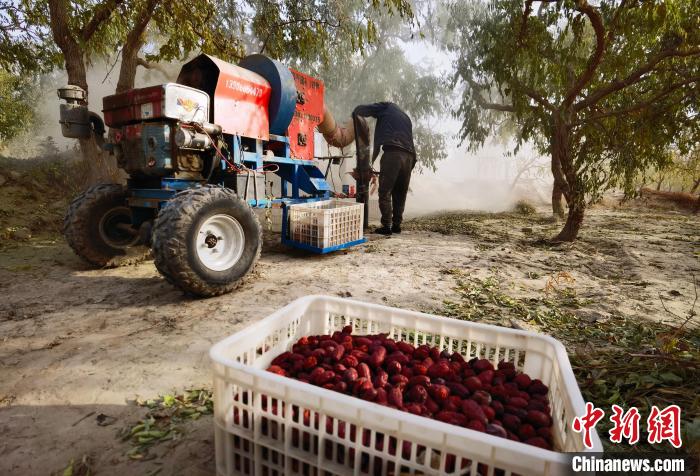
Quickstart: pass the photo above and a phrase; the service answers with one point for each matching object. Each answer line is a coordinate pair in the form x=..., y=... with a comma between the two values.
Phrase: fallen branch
x=687, y=363
x=83, y=418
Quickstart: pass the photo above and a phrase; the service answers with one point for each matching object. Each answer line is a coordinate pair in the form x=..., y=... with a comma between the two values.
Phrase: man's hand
x=368, y=175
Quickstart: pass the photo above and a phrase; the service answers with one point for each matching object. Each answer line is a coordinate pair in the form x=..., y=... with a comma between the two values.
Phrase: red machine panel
x=308, y=115
x=241, y=101
x=239, y=96
x=125, y=108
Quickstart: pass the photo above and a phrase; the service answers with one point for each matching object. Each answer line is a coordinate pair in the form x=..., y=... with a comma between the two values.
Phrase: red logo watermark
x=587, y=423
x=662, y=425
x=665, y=425
x=626, y=425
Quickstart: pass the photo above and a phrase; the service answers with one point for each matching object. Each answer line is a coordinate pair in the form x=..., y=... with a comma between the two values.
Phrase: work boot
x=396, y=229
x=384, y=230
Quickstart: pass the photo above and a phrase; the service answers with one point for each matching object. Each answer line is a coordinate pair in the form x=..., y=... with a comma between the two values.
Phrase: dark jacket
x=394, y=127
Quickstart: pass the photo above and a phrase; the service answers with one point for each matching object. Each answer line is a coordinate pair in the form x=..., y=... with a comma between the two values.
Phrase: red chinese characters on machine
x=307, y=115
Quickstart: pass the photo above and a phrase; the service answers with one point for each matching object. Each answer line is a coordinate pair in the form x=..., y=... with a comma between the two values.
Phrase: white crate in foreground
x=266, y=424
x=325, y=225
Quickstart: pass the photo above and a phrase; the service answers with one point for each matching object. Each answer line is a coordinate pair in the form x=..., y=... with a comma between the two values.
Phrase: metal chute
x=336, y=135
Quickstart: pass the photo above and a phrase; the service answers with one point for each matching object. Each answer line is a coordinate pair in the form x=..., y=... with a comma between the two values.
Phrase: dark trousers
x=394, y=176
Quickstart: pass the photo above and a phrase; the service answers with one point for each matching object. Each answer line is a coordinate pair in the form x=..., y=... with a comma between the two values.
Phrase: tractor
x=197, y=153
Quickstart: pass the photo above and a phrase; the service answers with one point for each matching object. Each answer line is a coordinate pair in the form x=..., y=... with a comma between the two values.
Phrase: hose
x=335, y=135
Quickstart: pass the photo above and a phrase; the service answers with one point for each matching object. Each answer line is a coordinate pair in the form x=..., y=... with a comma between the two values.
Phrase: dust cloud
x=486, y=180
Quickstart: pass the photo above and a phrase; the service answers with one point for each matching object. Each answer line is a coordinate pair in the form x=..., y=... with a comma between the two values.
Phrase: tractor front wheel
x=97, y=227
x=205, y=240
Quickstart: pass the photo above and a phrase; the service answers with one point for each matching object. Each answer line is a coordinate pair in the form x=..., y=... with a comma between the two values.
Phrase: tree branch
x=531, y=93
x=292, y=22
x=148, y=65
x=58, y=21
x=102, y=13
x=132, y=45
x=596, y=57
x=538, y=97
x=614, y=23
x=483, y=103
x=644, y=104
x=134, y=37
x=523, y=24
x=67, y=43
x=632, y=78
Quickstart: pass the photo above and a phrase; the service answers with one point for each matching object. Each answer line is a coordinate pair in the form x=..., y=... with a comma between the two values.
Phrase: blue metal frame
x=301, y=175
x=322, y=251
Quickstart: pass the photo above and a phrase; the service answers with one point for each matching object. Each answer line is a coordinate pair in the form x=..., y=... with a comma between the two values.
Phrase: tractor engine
x=161, y=131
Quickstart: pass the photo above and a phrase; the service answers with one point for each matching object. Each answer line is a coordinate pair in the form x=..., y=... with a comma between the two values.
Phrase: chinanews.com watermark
x=633, y=464
x=663, y=427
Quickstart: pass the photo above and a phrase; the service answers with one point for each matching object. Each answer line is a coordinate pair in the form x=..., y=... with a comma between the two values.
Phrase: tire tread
x=169, y=240
x=77, y=221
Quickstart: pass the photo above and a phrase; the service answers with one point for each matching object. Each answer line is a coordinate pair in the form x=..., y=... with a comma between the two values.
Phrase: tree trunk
x=566, y=179
x=70, y=40
x=90, y=152
x=573, y=222
x=557, y=195
x=696, y=184
x=66, y=41
x=127, y=72
x=559, y=150
x=517, y=177
x=132, y=45
x=73, y=59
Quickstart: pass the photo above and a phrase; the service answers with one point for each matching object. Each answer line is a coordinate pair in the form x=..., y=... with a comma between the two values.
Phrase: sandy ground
x=76, y=340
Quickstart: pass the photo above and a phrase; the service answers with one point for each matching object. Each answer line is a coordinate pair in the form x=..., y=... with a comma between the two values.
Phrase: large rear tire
x=95, y=227
x=206, y=240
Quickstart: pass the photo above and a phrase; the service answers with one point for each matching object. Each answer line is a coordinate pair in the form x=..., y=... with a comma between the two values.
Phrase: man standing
x=394, y=135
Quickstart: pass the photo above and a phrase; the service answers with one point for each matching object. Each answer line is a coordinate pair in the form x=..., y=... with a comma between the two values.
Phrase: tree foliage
x=169, y=30
x=681, y=173
x=300, y=32
x=26, y=46
x=385, y=74
x=357, y=47
x=605, y=89
x=17, y=98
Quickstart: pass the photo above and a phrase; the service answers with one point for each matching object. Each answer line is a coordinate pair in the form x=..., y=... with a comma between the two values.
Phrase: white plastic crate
x=260, y=422
x=326, y=223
